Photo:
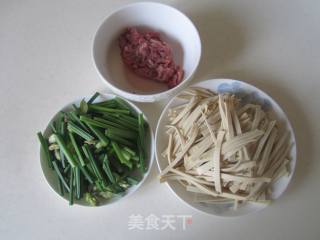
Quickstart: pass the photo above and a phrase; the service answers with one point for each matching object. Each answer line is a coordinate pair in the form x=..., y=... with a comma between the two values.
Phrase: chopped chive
x=103, y=109
x=133, y=120
x=135, y=158
x=122, y=133
x=75, y=107
x=62, y=158
x=98, y=184
x=58, y=122
x=66, y=169
x=141, y=158
x=91, y=100
x=53, y=127
x=119, y=139
x=65, y=150
x=78, y=180
x=106, y=168
x=71, y=184
x=45, y=148
x=61, y=192
x=74, y=128
x=85, y=151
x=73, y=116
x=122, y=103
x=121, y=122
x=99, y=147
x=86, y=174
x=109, y=117
x=126, y=155
x=56, y=168
x=62, y=127
x=129, y=124
x=132, y=180
x=99, y=134
x=141, y=141
x=93, y=164
x=91, y=172
x=129, y=150
x=93, y=122
x=105, y=102
x=108, y=123
x=118, y=152
x=76, y=148
x=141, y=128
x=108, y=103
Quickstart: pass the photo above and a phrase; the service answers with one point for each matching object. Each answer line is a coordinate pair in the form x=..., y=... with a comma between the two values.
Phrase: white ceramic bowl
x=52, y=178
x=175, y=28
x=249, y=93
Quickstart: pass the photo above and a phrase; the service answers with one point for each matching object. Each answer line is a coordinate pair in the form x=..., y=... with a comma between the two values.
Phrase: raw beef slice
x=149, y=57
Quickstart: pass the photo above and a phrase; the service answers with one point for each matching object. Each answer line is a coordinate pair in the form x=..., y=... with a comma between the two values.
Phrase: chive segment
x=45, y=148
x=65, y=150
x=106, y=168
x=73, y=117
x=120, y=140
x=106, y=109
x=74, y=128
x=126, y=105
x=71, y=186
x=99, y=134
x=141, y=142
x=86, y=174
x=76, y=148
x=91, y=100
x=111, y=123
x=93, y=164
x=119, y=154
x=77, y=180
x=56, y=168
x=122, y=133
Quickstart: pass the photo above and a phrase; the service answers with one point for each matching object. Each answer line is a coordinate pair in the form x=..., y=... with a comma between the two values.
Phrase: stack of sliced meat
x=149, y=57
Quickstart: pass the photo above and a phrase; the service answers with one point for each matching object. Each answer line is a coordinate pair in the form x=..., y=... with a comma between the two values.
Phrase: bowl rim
x=105, y=95
x=275, y=103
x=155, y=96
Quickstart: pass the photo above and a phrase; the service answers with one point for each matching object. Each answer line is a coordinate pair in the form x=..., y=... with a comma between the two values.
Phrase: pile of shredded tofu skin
x=223, y=151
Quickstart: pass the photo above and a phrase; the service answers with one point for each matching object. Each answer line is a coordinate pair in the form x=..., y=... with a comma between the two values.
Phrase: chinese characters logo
x=164, y=222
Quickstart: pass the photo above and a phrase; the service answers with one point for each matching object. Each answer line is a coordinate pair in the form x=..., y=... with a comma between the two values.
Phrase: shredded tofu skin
x=222, y=151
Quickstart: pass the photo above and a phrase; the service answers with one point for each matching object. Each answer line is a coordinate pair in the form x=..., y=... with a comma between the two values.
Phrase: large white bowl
x=248, y=93
x=52, y=178
x=174, y=27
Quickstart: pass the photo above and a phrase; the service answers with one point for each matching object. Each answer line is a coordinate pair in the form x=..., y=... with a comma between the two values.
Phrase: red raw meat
x=149, y=57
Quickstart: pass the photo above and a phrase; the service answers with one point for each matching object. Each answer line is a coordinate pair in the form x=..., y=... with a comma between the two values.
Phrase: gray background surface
x=45, y=62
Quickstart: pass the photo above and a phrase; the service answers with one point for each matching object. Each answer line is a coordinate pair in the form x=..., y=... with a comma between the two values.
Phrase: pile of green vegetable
x=97, y=150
